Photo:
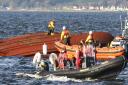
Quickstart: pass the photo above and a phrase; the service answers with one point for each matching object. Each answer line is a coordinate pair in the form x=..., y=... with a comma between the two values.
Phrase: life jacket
x=66, y=34
x=70, y=57
x=51, y=25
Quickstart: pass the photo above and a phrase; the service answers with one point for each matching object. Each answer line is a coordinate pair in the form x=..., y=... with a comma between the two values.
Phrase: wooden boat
x=103, y=53
x=29, y=44
x=106, y=70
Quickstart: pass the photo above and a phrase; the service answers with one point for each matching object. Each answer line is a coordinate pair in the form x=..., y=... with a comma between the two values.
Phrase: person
x=43, y=66
x=90, y=55
x=65, y=36
x=84, y=51
x=90, y=51
x=90, y=39
x=40, y=64
x=51, y=27
x=62, y=59
x=78, y=57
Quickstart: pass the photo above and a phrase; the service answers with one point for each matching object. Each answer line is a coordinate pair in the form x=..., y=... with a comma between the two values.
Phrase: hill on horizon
x=53, y=3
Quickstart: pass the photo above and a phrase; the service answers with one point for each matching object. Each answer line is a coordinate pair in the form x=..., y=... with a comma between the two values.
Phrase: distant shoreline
x=63, y=10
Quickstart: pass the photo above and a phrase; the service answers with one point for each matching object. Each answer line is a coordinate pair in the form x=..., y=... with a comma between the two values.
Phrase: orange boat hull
x=29, y=44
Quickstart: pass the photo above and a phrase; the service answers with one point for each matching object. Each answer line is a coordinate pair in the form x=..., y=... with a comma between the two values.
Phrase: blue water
x=19, y=23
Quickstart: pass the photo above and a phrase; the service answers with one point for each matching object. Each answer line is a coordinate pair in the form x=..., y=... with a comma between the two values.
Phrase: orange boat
x=29, y=44
x=104, y=53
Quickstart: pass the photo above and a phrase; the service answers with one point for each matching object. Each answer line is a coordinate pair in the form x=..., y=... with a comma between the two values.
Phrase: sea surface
x=20, y=70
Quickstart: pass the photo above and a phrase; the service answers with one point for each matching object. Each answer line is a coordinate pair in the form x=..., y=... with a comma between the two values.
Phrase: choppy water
x=18, y=23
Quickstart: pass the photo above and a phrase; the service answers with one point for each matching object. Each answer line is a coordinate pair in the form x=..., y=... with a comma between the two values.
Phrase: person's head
x=52, y=19
x=64, y=27
x=90, y=32
x=42, y=64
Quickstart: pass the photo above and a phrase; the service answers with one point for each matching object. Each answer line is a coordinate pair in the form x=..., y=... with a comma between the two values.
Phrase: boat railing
x=125, y=28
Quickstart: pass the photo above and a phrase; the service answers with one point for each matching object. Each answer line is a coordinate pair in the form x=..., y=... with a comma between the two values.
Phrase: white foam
x=29, y=75
x=61, y=78
x=53, y=77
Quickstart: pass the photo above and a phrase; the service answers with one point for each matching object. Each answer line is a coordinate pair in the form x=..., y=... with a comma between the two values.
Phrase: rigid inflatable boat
x=106, y=70
x=103, y=53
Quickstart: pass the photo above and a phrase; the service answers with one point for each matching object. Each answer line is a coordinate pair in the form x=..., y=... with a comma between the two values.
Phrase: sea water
x=20, y=70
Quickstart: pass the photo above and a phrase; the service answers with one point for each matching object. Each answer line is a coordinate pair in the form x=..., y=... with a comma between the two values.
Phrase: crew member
x=65, y=36
x=78, y=56
x=90, y=55
x=43, y=66
x=62, y=59
x=90, y=50
x=51, y=27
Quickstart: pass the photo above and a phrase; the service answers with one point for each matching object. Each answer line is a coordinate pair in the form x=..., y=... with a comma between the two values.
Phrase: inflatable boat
x=103, y=53
x=105, y=70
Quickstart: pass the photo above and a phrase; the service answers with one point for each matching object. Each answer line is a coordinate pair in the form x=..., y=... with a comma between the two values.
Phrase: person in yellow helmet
x=65, y=36
x=51, y=27
x=89, y=39
x=90, y=50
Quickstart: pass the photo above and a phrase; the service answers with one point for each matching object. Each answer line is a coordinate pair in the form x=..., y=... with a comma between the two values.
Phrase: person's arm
x=62, y=35
x=87, y=39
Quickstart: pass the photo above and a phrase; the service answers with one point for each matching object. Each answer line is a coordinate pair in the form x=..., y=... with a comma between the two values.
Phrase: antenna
x=121, y=22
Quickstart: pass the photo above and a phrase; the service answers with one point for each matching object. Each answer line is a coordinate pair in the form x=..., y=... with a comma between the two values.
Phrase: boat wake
x=48, y=77
x=51, y=77
x=28, y=75
x=61, y=78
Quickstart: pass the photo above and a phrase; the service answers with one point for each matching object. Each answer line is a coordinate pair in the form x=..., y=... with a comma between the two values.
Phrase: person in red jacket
x=78, y=62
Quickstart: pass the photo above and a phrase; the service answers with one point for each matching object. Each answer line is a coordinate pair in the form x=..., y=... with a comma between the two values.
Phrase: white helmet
x=90, y=32
x=64, y=27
